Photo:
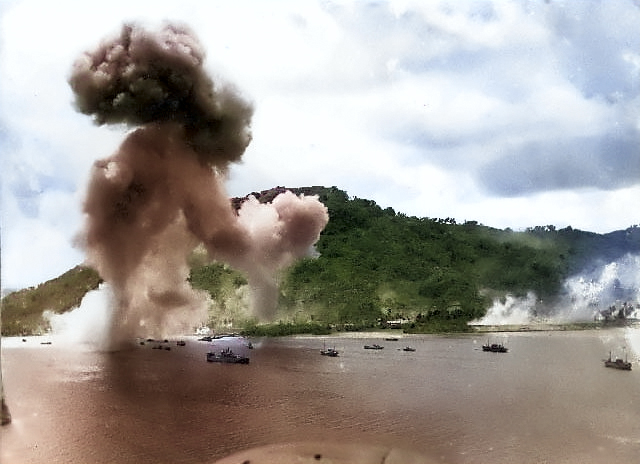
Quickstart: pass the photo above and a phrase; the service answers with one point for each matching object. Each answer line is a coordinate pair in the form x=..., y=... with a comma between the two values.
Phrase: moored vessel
x=332, y=352
x=227, y=356
x=495, y=348
x=618, y=363
x=375, y=346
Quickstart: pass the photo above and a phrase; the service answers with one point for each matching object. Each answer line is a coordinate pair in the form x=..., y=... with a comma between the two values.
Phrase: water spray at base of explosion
x=89, y=324
x=585, y=297
x=154, y=298
x=85, y=325
x=162, y=193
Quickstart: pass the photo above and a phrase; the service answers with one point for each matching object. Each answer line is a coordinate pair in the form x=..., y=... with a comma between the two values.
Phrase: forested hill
x=375, y=260
x=378, y=264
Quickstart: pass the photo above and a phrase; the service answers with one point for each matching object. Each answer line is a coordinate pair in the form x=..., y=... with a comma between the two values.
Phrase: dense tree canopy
x=376, y=264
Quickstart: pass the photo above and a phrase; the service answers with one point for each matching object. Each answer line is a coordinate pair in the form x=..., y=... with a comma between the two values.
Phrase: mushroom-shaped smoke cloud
x=162, y=193
x=141, y=77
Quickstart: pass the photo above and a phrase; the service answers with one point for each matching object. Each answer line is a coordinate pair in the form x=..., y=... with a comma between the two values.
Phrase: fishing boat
x=408, y=348
x=373, y=347
x=495, y=348
x=226, y=355
x=618, y=363
x=332, y=352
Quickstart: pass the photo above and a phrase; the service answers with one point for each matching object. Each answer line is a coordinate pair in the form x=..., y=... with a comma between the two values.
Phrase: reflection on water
x=548, y=399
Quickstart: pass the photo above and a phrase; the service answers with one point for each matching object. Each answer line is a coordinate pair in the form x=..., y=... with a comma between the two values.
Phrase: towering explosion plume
x=162, y=193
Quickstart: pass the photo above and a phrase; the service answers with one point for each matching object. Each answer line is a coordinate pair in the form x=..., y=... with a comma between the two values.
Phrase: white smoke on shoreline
x=509, y=310
x=85, y=325
x=596, y=295
x=632, y=337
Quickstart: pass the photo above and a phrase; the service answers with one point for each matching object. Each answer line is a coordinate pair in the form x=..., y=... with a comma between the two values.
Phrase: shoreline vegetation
x=281, y=329
x=285, y=329
x=376, y=266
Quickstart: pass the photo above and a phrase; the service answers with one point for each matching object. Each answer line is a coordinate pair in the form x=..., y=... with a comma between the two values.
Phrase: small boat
x=495, y=348
x=391, y=339
x=618, y=363
x=373, y=347
x=227, y=356
x=408, y=348
x=181, y=343
x=250, y=345
x=332, y=352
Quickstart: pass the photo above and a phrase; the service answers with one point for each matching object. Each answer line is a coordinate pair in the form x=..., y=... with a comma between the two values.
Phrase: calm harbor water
x=548, y=400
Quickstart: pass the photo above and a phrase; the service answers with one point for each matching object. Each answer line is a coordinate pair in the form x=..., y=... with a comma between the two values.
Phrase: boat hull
x=495, y=348
x=227, y=357
x=618, y=364
x=330, y=352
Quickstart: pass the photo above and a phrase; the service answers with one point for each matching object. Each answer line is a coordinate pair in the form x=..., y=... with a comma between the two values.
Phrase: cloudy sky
x=510, y=113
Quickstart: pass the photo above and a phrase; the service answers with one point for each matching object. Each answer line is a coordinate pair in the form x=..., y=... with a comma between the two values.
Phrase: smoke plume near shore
x=162, y=193
x=607, y=291
x=86, y=324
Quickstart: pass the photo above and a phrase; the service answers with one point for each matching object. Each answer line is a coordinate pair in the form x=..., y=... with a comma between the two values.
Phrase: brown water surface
x=548, y=400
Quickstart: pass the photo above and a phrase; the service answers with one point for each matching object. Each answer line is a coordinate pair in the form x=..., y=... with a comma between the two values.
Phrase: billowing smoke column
x=162, y=193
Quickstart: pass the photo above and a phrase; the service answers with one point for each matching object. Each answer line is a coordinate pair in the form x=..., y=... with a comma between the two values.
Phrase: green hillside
x=379, y=264
x=22, y=310
x=375, y=265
